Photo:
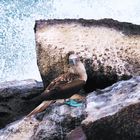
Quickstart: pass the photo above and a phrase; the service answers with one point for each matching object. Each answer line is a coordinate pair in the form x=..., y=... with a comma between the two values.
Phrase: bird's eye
x=76, y=59
x=70, y=61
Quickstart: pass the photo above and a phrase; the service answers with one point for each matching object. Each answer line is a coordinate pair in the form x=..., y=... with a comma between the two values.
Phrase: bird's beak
x=72, y=61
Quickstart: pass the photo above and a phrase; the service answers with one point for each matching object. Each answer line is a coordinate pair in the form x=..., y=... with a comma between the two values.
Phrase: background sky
x=17, y=19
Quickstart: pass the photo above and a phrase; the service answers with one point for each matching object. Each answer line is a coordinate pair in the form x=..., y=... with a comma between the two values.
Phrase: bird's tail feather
x=41, y=107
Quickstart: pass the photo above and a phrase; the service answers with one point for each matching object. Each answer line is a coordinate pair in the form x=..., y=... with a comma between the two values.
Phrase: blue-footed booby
x=64, y=86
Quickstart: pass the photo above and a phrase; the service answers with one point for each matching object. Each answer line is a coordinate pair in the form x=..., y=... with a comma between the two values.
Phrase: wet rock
x=123, y=125
x=76, y=134
x=115, y=113
x=109, y=49
x=12, y=97
x=111, y=113
x=59, y=121
x=113, y=98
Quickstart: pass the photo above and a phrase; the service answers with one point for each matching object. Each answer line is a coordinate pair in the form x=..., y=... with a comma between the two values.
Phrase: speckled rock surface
x=12, y=97
x=109, y=49
x=111, y=113
x=58, y=122
x=115, y=113
x=123, y=125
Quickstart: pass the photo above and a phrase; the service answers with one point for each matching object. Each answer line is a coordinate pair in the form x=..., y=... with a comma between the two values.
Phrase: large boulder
x=13, y=96
x=109, y=49
x=115, y=114
x=111, y=113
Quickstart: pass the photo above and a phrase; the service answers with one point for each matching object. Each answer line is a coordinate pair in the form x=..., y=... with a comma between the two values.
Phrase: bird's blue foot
x=73, y=103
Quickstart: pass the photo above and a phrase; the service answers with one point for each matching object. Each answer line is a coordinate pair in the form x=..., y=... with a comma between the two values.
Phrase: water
x=17, y=19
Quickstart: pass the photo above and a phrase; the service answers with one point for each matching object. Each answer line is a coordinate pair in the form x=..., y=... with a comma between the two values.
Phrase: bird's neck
x=80, y=70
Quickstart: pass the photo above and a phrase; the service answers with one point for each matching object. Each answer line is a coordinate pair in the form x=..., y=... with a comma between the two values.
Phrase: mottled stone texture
x=124, y=125
x=113, y=113
x=109, y=114
x=13, y=96
x=109, y=49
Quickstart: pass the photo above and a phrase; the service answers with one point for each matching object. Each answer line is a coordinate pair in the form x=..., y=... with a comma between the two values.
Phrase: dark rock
x=76, y=134
x=124, y=125
x=111, y=114
x=12, y=97
x=58, y=121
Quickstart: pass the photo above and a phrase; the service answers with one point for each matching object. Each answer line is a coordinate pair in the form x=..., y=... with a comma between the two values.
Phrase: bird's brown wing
x=62, y=87
x=53, y=91
x=64, y=91
x=56, y=89
x=62, y=80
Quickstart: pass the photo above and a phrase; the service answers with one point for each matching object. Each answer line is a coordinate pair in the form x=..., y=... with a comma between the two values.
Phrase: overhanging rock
x=13, y=95
x=109, y=49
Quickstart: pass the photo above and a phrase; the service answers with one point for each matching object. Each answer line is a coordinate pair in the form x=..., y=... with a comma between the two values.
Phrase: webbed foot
x=73, y=103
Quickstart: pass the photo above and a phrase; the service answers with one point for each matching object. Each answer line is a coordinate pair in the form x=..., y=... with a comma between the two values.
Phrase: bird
x=64, y=86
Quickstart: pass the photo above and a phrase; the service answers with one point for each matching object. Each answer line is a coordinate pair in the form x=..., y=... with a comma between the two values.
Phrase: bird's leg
x=77, y=97
x=60, y=101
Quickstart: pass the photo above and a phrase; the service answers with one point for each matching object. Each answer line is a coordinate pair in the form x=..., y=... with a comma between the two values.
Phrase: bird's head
x=77, y=66
x=73, y=59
